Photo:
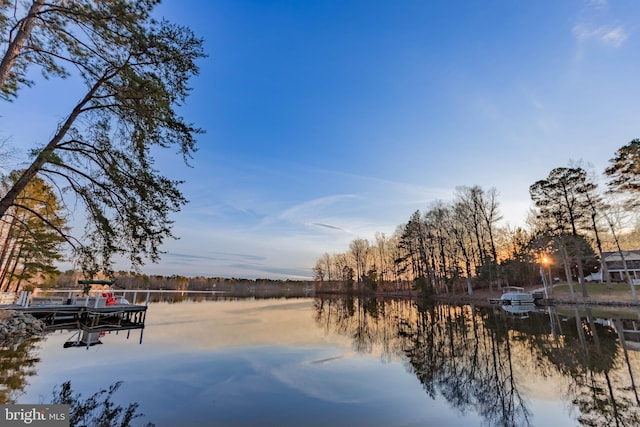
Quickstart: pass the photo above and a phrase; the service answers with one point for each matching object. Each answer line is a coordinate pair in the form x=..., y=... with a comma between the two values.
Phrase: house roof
x=615, y=256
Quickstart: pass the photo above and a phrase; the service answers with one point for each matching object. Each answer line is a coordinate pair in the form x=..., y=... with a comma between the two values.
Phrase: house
x=615, y=266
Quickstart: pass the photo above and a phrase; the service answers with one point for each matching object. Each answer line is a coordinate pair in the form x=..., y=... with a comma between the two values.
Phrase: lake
x=350, y=362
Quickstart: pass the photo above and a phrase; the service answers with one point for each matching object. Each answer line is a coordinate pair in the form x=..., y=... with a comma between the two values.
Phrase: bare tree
x=359, y=249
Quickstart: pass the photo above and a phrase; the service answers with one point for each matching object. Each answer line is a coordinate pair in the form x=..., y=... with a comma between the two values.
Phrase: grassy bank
x=598, y=292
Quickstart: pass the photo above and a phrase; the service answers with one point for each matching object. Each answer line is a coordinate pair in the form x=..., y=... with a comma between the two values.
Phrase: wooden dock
x=91, y=316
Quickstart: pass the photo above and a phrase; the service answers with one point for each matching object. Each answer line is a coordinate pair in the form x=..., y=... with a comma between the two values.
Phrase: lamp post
x=544, y=280
x=546, y=261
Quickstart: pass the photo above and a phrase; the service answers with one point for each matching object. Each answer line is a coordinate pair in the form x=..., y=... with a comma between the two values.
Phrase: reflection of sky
x=246, y=363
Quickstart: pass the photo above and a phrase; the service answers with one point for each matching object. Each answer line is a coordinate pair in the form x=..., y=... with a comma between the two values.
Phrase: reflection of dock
x=519, y=311
x=84, y=339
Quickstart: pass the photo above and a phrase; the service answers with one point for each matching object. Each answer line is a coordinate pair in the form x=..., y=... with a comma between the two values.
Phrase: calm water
x=350, y=362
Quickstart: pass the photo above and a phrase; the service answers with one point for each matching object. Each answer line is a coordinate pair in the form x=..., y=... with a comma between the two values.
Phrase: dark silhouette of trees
x=563, y=206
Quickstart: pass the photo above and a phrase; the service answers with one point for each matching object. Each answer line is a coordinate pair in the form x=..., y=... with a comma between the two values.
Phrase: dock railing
x=24, y=298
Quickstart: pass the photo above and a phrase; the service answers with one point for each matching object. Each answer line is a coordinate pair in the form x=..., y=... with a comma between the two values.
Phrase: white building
x=615, y=265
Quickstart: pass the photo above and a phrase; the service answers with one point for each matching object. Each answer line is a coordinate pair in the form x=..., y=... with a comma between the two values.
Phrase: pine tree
x=33, y=236
x=135, y=71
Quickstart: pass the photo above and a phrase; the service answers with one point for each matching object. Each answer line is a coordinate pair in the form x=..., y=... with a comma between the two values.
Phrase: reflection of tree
x=623, y=343
x=470, y=355
x=16, y=365
x=600, y=391
x=449, y=349
x=587, y=352
x=476, y=371
x=97, y=410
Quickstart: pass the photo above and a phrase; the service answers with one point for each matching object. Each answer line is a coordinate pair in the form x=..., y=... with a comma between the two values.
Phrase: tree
x=596, y=205
x=624, y=170
x=319, y=271
x=32, y=235
x=443, y=246
x=360, y=251
x=563, y=206
x=412, y=241
x=382, y=249
x=625, y=178
x=326, y=258
x=520, y=255
x=481, y=210
x=135, y=72
x=614, y=216
x=559, y=200
x=460, y=228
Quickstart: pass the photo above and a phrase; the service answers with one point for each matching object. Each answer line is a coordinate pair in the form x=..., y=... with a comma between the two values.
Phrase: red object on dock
x=110, y=299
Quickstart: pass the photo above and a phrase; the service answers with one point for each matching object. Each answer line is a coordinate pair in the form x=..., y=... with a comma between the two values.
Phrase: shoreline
x=17, y=326
x=483, y=296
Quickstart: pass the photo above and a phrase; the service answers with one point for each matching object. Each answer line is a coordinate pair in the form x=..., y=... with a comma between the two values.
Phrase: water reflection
x=86, y=338
x=520, y=311
x=19, y=361
x=87, y=329
x=314, y=362
x=17, y=364
x=487, y=360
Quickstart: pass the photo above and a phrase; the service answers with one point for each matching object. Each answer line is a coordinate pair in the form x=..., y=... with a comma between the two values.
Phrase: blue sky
x=330, y=120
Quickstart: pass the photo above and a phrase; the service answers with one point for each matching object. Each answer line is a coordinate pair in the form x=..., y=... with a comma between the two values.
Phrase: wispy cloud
x=329, y=359
x=261, y=270
x=332, y=227
x=615, y=36
x=598, y=3
x=311, y=207
x=189, y=256
x=215, y=256
x=609, y=36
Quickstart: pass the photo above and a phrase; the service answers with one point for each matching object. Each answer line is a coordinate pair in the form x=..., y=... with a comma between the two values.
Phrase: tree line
x=460, y=245
x=125, y=280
